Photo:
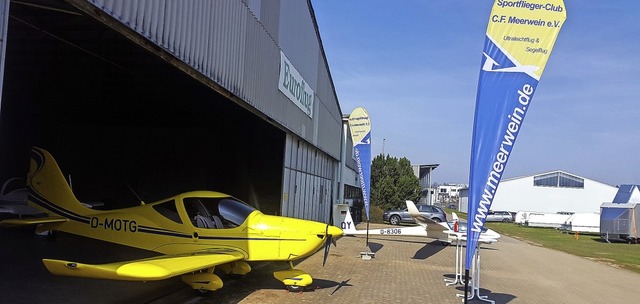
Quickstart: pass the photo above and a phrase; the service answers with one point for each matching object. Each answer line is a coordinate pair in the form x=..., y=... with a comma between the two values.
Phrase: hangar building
x=554, y=191
x=162, y=97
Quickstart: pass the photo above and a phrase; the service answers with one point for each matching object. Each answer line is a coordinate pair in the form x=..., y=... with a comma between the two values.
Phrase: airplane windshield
x=210, y=212
x=234, y=211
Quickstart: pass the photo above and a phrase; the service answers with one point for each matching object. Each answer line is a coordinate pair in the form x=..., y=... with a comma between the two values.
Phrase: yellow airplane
x=195, y=232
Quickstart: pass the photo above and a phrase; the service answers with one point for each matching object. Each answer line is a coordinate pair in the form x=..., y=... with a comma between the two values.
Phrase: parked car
x=395, y=217
x=499, y=216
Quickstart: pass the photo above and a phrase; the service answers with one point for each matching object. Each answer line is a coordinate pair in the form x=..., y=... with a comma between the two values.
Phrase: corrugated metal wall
x=308, y=182
x=237, y=44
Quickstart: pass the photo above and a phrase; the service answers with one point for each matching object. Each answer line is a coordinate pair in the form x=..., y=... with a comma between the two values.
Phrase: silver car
x=499, y=216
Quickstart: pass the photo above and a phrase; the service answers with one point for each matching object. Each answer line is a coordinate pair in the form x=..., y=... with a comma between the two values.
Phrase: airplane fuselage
x=259, y=237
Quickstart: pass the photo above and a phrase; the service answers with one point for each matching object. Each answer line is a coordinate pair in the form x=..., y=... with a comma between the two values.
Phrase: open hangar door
x=116, y=116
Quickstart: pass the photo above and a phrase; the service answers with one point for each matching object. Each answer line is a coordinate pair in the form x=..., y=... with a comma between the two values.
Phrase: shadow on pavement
x=499, y=298
x=375, y=247
x=428, y=250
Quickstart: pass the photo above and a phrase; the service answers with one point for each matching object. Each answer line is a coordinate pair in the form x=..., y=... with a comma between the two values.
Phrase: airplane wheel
x=294, y=288
x=52, y=235
x=202, y=292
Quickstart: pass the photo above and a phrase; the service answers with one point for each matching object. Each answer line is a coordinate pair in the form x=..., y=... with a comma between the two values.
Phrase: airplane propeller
x=327, y=245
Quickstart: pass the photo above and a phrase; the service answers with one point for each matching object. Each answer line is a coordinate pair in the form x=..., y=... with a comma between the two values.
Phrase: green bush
x=375, y=214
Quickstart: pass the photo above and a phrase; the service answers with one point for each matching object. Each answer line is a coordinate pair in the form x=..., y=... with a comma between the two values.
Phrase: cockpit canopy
x=207, y=212
x=224, y=212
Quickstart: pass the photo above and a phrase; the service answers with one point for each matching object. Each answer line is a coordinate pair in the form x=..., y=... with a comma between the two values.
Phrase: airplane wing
x=32, y=221
x=462, y=236
x=157, y=268
x=433, y=228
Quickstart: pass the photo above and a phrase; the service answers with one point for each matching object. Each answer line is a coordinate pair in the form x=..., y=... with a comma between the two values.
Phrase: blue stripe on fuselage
x=44, y=203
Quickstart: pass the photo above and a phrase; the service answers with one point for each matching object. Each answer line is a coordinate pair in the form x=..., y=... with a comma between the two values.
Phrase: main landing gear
x=207, y=281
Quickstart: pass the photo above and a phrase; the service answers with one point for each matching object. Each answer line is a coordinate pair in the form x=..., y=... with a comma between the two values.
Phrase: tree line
x=393, y=182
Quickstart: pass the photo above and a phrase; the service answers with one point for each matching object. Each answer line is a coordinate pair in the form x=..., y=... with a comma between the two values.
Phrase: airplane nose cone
x=334, y=231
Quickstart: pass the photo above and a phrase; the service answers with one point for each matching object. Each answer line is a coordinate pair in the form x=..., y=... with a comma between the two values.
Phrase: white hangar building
x=550, y=192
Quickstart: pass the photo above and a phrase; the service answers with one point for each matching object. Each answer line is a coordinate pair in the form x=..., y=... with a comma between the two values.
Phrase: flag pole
x=360, y=127
x=367, y=234
x=509, y=76
x=466, y=285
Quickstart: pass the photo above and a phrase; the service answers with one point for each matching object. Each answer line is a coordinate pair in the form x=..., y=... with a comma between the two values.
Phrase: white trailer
x=620, y=222
x=620, y=219
x=523, y=216
x=583, y=222
x=548, y=220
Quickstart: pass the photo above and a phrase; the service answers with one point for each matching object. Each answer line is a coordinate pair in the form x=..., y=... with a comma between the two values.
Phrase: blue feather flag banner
x=519, y=40
x=360, y=127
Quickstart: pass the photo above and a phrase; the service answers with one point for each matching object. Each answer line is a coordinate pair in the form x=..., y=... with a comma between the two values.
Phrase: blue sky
x=414, y=65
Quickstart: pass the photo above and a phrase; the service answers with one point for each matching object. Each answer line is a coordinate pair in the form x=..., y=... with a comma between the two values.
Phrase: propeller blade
x=331, y=235
x=327, y=246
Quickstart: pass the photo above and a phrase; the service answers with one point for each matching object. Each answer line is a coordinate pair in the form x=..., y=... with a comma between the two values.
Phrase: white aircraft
x=15, y=201
x=446, y=233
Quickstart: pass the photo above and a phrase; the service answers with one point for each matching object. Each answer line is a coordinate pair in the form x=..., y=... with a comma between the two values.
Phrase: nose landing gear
x=294, y=279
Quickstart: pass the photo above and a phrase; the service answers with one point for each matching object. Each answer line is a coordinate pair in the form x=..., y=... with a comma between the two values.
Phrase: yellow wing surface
x=157, y=268
x=32, y=221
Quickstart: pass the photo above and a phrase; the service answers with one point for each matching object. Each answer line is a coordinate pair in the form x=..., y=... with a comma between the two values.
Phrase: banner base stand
x=459, y=268
x=475, y=281
x=367, y=255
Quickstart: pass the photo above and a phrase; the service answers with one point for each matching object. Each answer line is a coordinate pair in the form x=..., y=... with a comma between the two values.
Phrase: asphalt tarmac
x=404, y=270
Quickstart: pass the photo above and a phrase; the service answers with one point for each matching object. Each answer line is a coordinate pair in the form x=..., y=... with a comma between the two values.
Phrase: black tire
x=437, y=220
x=202, y=292
x=394, y=220
x=506, y=220
x=294, y=288
x=52, y=235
